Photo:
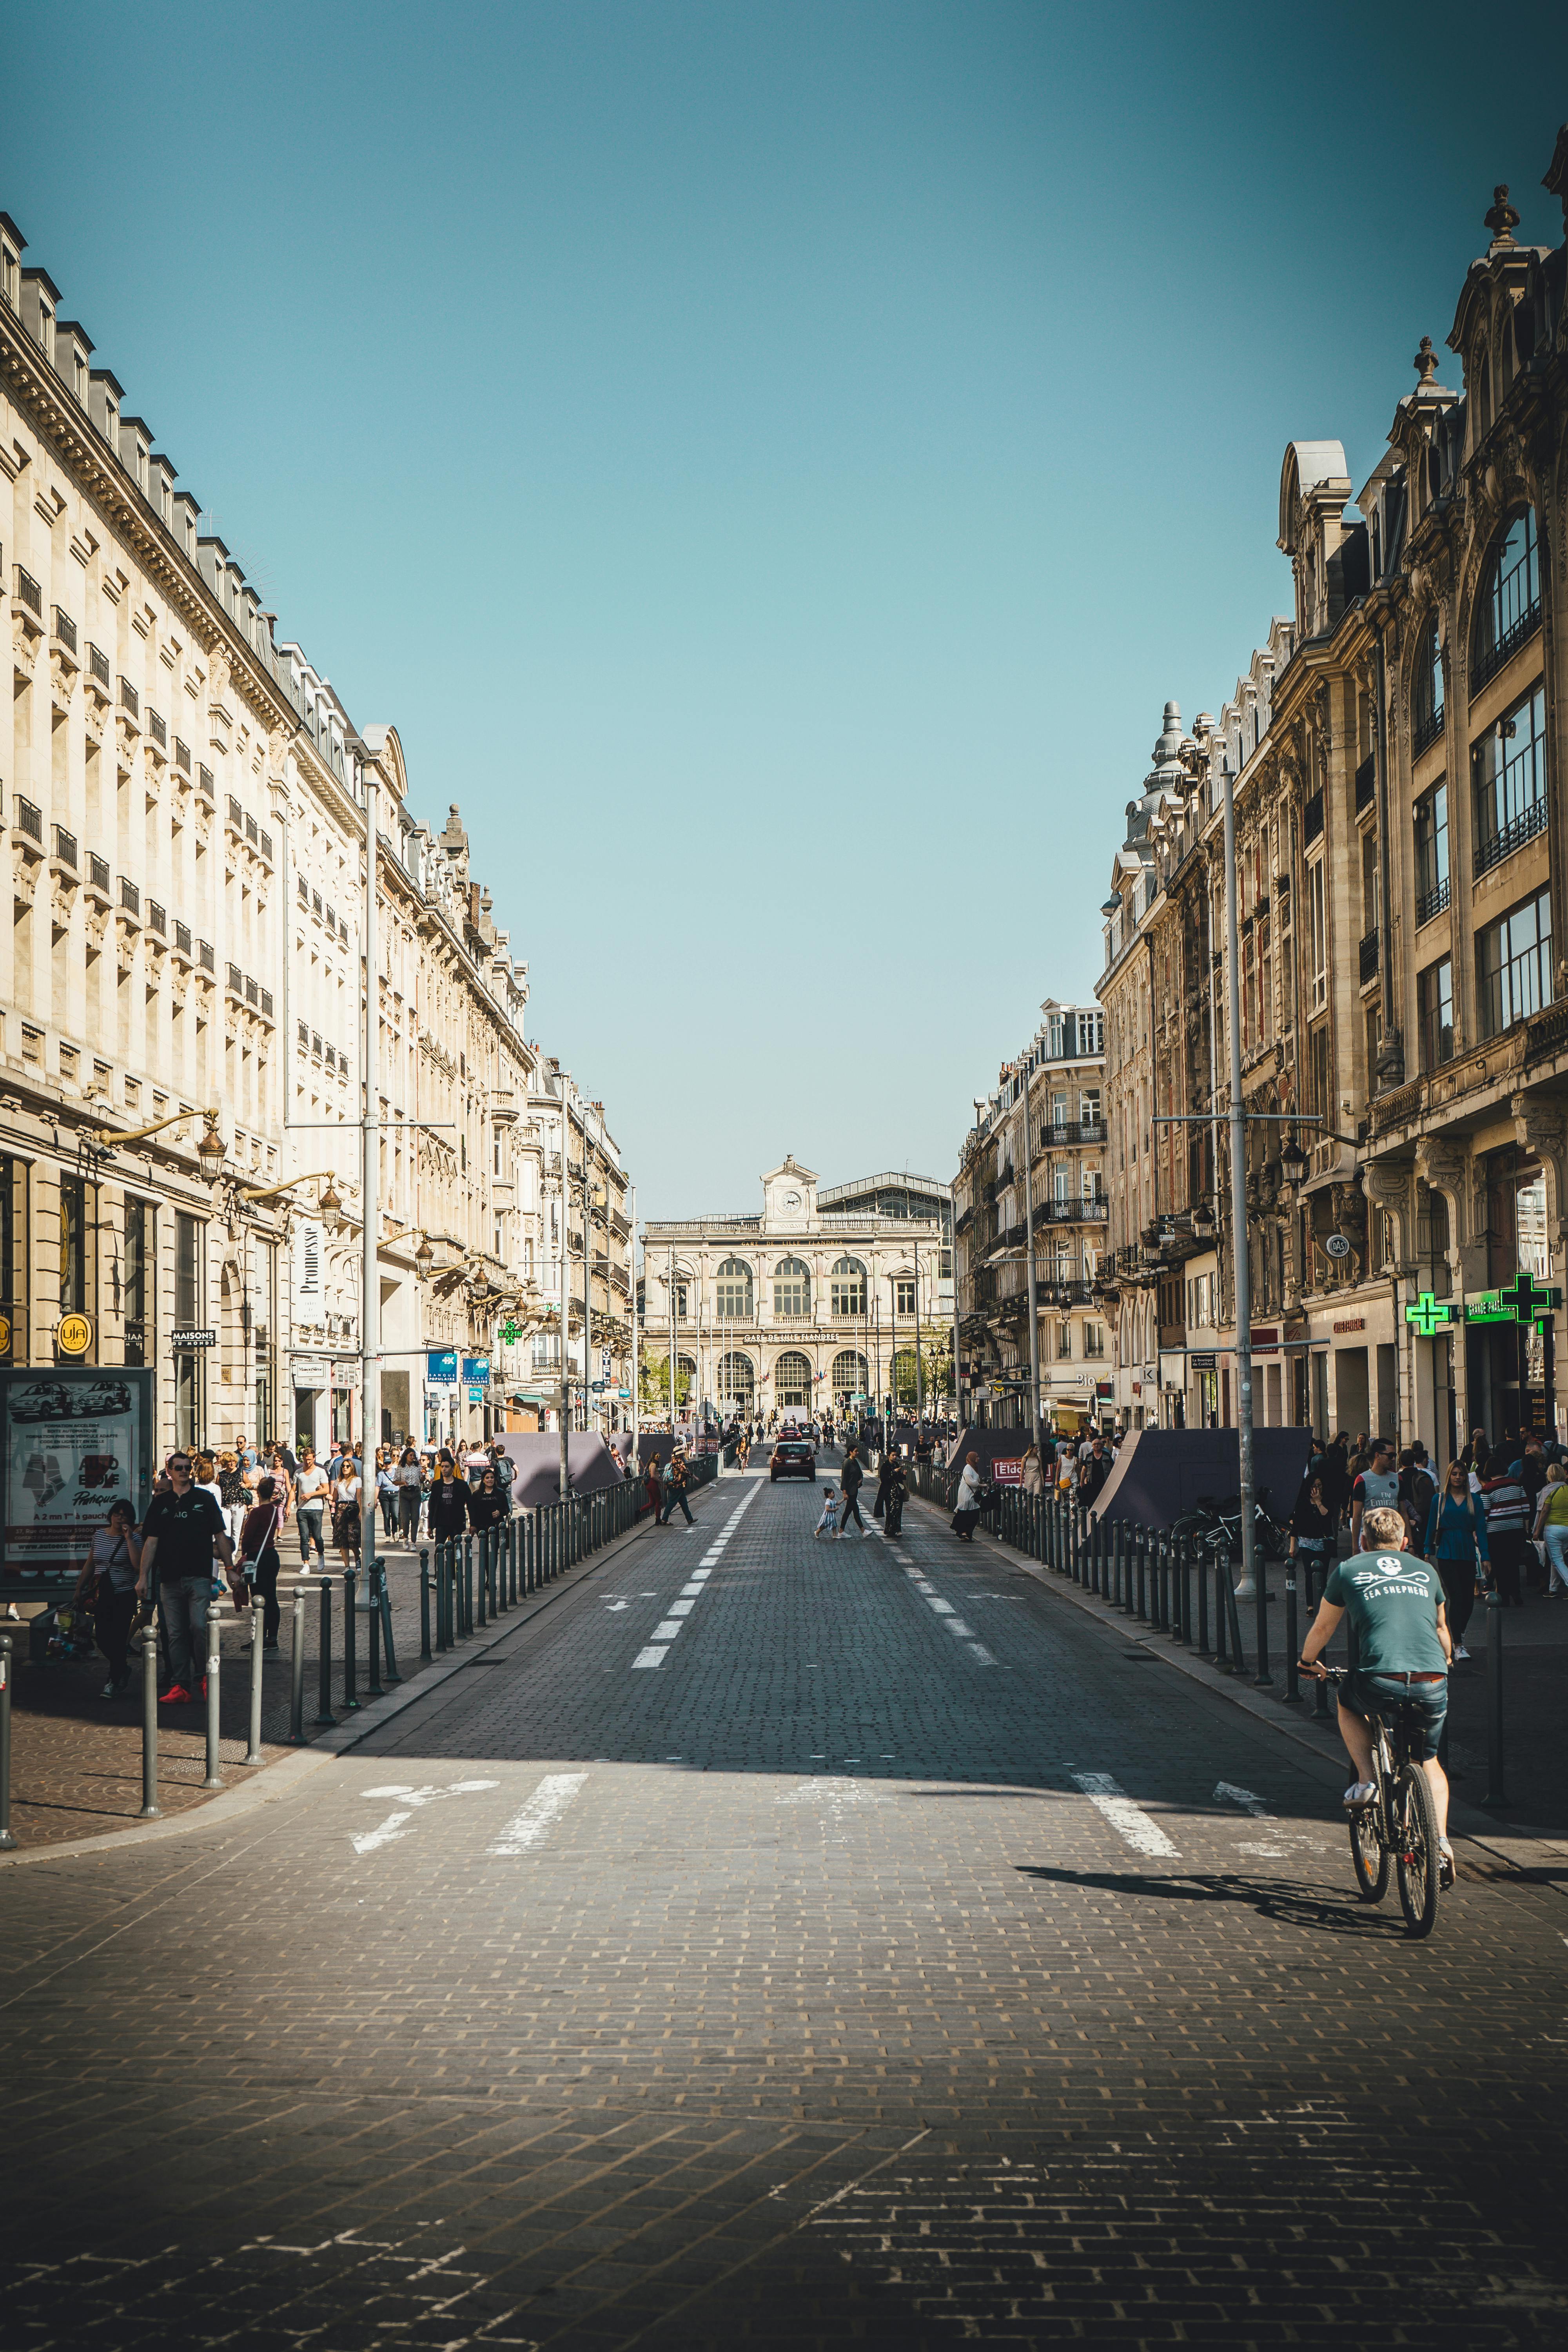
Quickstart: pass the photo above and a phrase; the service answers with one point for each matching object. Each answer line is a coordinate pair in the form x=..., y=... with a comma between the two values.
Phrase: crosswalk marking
x=546, y=1805
x=1127, y=1818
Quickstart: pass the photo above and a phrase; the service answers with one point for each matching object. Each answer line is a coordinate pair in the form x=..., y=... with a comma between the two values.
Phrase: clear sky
x=772, y=462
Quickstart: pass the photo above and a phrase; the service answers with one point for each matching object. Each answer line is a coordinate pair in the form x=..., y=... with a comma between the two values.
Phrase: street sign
x=184, y=1340
x=598, y=1387
x=475, y=1368
x=625, y=1395
x=476, y=1392
x=441, y=1364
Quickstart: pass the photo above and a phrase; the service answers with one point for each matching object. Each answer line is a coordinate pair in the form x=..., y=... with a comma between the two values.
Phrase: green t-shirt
x=1391, y=1599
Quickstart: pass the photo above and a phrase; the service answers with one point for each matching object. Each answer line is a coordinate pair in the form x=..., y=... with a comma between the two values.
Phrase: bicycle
x=1399, y=1825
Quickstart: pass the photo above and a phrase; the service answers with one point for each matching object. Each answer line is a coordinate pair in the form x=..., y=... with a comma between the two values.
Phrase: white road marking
x=651, y=1656
x=942, y=1608
x=611, y=1607
x=956, y=1625
x=1128, y=1820
x=981, y=1654
x=681, y=1608
x=667, y=1630
x=388, y=1832
x=546, y=1805
x=1227, y=1793
x=655, y=1653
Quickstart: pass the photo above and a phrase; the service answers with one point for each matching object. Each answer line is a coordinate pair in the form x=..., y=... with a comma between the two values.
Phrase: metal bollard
x=1201, y=1582
x=372, y=1688
x=253, y=1753
x=297, y=1670
x=1142, y=1562
x=324, y=1714
x=1230, y=1610
x=484, y=1575
x=392, y=1676
x=214, y=1697
x=151, y=1808
x=425, y=1607
x=6, y=1840
x=350, y=1666
x=1292, y=1646
x=468, y=1559
x=1221, y=1615
x=1495, y=1800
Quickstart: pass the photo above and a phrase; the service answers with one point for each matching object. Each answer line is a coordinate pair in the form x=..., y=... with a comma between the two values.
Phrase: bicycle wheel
x=1368, y=1852
x=1416, y=1852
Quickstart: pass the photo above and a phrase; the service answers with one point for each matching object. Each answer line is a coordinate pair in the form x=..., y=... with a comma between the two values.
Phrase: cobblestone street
x=783, y=1942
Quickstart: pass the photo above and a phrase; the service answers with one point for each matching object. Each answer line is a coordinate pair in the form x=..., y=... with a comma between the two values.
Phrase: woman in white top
x=967, y=1512
x=407, y=1478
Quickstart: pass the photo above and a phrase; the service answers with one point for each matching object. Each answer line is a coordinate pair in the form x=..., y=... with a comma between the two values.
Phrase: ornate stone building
x=1048, y=1103
x=1396, y=756
x=817, y=1301
x=183, y=984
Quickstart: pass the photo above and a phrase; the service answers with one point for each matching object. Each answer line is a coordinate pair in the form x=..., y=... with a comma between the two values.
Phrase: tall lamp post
x=1241, y=1266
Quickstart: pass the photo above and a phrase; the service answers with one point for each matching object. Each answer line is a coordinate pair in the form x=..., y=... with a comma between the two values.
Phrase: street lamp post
x=1241, y=1268
x=370, y=1200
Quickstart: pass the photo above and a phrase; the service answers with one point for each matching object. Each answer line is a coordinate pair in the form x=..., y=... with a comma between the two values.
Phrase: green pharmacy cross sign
x=510, y=1332
x=1430, y=1314
x=1524, y=1302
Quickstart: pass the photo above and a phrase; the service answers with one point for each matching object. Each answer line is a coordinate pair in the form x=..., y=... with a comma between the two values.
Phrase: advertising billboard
x=73, y=1438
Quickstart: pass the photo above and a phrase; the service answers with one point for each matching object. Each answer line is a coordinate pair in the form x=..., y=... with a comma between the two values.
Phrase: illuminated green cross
x=1430, y=1314
x=1525, y=1302
x=510, y=1332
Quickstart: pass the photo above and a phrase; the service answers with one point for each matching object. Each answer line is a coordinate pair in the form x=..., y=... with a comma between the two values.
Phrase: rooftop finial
x=1503, y=219
x=1425, y=361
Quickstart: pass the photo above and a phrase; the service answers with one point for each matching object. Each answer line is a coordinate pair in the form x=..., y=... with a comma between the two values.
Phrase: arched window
x=792, y=1290
x=792, y=1383
x=848, y=1287
x=1426, y=689
x=1508, y=607
x=851, y=1377
x=732, y=1291
x=737, y=1381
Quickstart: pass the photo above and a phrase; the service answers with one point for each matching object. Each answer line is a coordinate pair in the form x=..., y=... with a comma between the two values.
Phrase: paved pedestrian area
x=778, y=1942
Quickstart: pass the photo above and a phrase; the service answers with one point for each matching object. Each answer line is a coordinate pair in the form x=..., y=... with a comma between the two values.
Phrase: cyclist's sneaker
x=1445, y=1871
x=1360, y=1792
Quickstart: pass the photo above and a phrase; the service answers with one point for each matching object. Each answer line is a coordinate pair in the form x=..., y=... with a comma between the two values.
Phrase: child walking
x=827, y=1524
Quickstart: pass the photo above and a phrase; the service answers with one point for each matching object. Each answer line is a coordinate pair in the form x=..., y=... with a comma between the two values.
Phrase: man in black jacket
x=450, y=1504
x=849, y=1480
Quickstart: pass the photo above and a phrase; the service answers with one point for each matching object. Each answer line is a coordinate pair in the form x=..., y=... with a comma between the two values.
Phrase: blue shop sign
x=475, y=1368
x=441, y=1364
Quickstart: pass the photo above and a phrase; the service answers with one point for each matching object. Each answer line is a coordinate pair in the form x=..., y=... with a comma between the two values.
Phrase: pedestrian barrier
x=215, y=1697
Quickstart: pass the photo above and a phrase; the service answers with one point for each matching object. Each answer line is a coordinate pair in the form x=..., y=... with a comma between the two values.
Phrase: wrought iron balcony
x=1513, y=835
x=1494, y=658
x=1423, y=733
x=65, y=630
x=28, y=593
x=1432, y=903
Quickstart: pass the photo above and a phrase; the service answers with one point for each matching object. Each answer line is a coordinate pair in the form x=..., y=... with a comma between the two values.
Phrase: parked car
x=793, y=1457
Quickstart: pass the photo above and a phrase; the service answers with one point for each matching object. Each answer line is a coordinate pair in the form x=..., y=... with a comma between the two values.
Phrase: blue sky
x=772, y=463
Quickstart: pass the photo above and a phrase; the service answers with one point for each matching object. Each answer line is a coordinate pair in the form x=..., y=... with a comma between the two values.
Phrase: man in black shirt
x=1093, y=1472
x=851, y=1479
x=449, y=1503
x=179, y=1535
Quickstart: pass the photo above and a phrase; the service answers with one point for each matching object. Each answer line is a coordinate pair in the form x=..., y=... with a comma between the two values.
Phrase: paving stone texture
x=896, y=1955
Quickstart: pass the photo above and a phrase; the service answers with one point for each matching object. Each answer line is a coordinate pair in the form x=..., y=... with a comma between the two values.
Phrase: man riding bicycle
x=1403, y=1652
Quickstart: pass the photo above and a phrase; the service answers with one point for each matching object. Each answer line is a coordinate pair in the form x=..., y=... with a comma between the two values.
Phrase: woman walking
x=346, y=1506
x=111, y=1571
x=258, y=1552
x=408, y=1483
x=966, y=1511
x=1552, y=1529
x=1312, y=1534
x=386, y=1491
x=1456, y=1545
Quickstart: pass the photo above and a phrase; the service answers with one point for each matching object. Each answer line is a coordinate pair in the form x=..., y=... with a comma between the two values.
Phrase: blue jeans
x=1557, y=1553
x=183, y=1605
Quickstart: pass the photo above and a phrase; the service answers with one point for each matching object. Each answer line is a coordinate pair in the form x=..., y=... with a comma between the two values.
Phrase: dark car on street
x=793, y=1457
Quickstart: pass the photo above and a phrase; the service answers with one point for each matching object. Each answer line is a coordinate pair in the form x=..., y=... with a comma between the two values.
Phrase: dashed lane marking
x=545, y=1806
x=1127, y=1818
x=654, y=1653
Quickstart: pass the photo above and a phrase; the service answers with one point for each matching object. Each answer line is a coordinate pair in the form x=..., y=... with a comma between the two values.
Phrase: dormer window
x=7, y=277
x=47, y=330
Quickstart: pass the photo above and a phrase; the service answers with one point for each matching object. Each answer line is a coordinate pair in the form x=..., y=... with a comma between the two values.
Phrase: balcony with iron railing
x=1492, y=658
x=1432, y=903
x=1426, y=727
x=129, y=898
x=98, y=873
x=157, y=727
x=1530, y=821
x=65, y=847
x=29, y=819
x=28, y=592
x=65, y=630
x=98, y=666
x=130, y=701
x=205, y=784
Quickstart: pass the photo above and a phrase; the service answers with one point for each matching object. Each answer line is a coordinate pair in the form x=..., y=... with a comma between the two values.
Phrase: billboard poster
x=72, y=1439
x=1005, y=1473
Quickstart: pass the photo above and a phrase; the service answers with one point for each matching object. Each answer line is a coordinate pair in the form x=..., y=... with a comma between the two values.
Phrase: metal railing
x=98, y=663
x=467, y=1582
x=1431, y=903
x=1490, y=658
x=1496, y=846
x=98, y=871
x=28, y=593
x=29, y=818
x=65, y=630
x=65, y=845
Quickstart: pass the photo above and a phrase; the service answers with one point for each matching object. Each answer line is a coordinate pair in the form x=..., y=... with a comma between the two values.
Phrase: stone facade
x=1397, y=755
x=1050, y=1103
x=186, y=799
x=816, y=1301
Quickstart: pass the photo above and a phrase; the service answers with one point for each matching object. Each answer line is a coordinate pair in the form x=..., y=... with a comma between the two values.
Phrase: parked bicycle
x=1215, y=1526
x=1398, y=1826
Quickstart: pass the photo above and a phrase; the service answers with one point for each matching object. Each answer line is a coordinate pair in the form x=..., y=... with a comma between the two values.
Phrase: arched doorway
x=852, y=1377
x=737, y=1383
x=792, y=1383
